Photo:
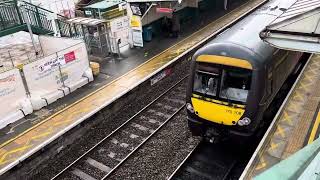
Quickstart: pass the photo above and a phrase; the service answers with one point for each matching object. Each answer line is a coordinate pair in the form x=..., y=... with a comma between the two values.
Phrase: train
x=235, y=77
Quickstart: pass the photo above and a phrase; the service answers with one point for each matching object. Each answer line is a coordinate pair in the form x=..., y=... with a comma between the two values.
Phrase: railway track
x=205, y=162
x=113, y=150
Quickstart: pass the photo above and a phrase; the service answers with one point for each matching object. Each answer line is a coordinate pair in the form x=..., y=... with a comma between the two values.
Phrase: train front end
x=217, y=96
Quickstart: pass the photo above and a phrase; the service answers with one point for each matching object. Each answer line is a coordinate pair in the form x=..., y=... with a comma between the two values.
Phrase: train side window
x=269, y=83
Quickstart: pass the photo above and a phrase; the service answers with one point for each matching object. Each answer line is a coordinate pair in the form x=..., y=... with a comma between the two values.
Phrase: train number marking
x=233, y=112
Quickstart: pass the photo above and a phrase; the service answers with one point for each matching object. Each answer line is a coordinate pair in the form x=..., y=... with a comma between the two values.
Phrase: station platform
x=27, y=137
x=295, y=126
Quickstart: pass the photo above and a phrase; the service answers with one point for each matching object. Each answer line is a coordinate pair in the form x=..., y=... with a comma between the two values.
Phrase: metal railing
x=38, y=17
x=9, y=15
x=69, y=30
x=14, y=15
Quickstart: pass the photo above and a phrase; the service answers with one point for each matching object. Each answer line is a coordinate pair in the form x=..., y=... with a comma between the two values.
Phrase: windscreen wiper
x=205, y=94
x=229, y=100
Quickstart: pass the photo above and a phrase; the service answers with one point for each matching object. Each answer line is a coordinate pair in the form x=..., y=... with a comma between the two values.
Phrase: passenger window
x=269, y=83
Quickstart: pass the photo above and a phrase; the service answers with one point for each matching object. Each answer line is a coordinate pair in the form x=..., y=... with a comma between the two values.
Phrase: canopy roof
x=298, y=28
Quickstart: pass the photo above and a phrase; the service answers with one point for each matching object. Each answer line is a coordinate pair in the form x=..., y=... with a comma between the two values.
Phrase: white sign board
x=75, y=64
x=88, y=12
x=12, y=92
x=123, y=36
x=137, y=38
x=52, y=76
x=119, y=24
x=43, y=76
x=119, y=28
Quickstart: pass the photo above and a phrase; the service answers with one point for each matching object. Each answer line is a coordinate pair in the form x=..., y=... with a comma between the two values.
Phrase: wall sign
x=164, y=10
x=160, y=76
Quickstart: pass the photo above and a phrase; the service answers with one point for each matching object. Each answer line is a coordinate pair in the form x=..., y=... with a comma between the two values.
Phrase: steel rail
x=142, y=143
x=193, y=153
x=183, y=162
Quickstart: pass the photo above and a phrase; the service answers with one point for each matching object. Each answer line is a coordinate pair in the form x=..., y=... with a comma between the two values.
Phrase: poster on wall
x=119, y=24
x=119, y=31
x=164, y=10
x=135, y=22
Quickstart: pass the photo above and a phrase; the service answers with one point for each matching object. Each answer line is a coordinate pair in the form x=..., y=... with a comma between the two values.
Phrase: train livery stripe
x=225, y=61
x=217, y=101
x=315, y=127
x=217, y=113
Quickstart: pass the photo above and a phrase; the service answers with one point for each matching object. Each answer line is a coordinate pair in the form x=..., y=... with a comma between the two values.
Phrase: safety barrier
x=58, y=74
x=63, y=69
x=14, y=103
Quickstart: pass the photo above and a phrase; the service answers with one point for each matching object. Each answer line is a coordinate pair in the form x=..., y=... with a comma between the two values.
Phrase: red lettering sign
x=69, y=57
x=164, y=10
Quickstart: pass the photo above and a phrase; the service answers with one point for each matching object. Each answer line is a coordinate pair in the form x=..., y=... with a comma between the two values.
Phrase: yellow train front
x=234, y=78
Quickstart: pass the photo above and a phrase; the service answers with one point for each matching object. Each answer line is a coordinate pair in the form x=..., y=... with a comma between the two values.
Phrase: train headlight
x=189, y=107
x=244, y=122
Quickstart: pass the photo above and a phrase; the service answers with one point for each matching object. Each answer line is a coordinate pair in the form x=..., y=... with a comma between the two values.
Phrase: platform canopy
x=104, y=4
x=133, y=1
x=298, y=28
x=86, y=21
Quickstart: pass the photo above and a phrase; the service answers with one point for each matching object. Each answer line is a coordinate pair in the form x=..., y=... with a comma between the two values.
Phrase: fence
x=9, y=15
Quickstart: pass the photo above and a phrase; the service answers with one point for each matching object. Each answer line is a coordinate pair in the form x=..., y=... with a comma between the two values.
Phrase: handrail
x=8, y=1
x=13, y=11
x=46, y=10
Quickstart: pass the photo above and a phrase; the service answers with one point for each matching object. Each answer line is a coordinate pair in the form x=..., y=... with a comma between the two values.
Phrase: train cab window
x=206, y=82
x=235, y=84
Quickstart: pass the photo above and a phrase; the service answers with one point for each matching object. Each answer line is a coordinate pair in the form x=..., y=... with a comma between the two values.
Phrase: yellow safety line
x=90, y=94
x=314, y=129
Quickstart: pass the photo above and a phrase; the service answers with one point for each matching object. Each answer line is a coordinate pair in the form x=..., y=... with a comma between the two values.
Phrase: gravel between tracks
x=161, y=155
x=96, y=133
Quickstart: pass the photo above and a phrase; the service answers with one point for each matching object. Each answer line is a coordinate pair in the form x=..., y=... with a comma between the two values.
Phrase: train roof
x=244, y=35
